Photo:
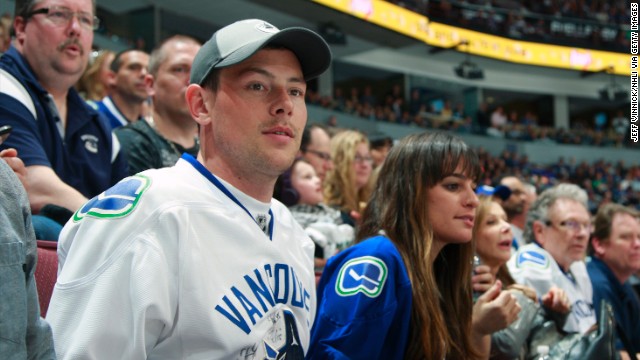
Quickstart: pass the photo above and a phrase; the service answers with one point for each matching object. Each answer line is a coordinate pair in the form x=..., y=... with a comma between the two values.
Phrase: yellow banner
x=411, y=24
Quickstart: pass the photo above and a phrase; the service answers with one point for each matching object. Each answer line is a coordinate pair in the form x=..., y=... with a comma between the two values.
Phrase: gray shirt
x=23, y=333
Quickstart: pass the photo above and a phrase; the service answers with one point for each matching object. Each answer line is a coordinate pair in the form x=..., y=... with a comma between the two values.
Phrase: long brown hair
x=442, y=305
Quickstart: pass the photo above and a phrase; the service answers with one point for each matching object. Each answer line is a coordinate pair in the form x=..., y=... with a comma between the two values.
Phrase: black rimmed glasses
x=573, y=225
x=62, y=16
x=322, y=155
x=363, y=159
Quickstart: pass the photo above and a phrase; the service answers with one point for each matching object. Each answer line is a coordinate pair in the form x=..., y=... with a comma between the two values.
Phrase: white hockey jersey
x=164, y=265
x=533, y=266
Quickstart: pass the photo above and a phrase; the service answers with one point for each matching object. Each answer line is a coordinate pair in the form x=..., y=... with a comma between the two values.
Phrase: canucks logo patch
x=365, y=274
x=532, y=258
x=117, y=201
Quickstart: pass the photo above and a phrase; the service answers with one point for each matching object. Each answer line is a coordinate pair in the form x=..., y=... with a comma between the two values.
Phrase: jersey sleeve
x=117, y=290
x=364, y=307
x=25, y=135
x=532, y=267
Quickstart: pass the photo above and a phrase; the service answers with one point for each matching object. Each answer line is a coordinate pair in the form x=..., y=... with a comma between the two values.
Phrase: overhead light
x=613, y=93
x=332, y=33
x=469, y=70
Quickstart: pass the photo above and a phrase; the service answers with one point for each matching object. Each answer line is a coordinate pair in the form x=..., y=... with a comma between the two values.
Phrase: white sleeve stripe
x=115, y=147
x=11, y=86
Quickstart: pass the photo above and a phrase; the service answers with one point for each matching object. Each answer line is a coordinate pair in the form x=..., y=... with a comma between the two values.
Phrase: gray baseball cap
x=236, y=42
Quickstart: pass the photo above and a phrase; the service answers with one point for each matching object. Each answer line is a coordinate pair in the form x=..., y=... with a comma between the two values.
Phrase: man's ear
x=538, y=228
x=599, y=247
x=111, y=78
x=198, y=100
x=19, y=24
x=148, y=82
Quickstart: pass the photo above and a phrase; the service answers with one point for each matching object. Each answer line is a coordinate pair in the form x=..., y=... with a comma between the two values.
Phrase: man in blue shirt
x=68, y=149
x=129, y=88
x=615, y=248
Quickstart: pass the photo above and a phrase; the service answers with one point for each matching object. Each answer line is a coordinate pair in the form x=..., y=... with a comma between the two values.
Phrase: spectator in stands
x=558, y=225
x=498, y=118
x=492, y=236
x=171, y=131
x=403, y=290
x=446, y=113
x=347, y=187
x=128, y=88
x=339, y=99
x=24, y=334
x=483, y=118
x=67, y=147
x=620, y=125
x=416, y=104
x=368, y=97
x=300, y=189
x=380, y=146
x=615, y=250
x=515, y=207
x=93, y=85
x=195, y=244
x=315, y=148
x=332, y=124
x=396, y=92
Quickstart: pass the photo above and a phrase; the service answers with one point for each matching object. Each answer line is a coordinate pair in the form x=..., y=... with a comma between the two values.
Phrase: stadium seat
x=46, y=272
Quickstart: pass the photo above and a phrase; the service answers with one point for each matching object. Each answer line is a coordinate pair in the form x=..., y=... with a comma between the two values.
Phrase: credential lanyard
x=196, y=164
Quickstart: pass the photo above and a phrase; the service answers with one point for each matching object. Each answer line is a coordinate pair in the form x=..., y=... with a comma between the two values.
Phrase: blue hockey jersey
x=364, y=304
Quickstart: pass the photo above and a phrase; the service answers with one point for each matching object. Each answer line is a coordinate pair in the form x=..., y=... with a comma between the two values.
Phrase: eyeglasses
x=62, y=16
x=322, y=155
x=363, y=159
x=573, y=225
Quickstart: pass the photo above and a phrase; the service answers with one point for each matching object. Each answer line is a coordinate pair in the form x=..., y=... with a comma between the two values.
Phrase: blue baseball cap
x=500, y=191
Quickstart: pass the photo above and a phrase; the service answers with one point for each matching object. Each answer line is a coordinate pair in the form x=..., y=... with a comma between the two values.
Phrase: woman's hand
x=494, y=310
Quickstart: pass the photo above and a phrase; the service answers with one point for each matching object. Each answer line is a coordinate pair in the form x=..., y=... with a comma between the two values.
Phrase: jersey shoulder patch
x=532, y=259
x=118, y=201
x=366, y=275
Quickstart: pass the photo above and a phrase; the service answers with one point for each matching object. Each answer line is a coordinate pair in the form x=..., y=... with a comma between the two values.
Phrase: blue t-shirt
x=625, y=303
x=364, y=304
x=86, y=157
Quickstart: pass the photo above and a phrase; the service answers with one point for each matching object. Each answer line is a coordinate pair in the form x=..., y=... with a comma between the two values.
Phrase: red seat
x=46, y=272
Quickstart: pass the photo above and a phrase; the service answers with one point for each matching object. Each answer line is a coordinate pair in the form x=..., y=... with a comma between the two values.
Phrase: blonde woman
x=93, y=85
x=348, y=185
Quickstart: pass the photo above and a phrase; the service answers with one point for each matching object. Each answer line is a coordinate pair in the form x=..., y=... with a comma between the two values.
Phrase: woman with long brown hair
x=404, y=289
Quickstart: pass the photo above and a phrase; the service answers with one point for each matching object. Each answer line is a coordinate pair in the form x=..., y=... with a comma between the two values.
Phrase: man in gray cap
x=197, y=260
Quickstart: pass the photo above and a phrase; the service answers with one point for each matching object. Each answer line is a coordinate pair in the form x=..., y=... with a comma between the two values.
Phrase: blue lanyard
x=196, y=164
